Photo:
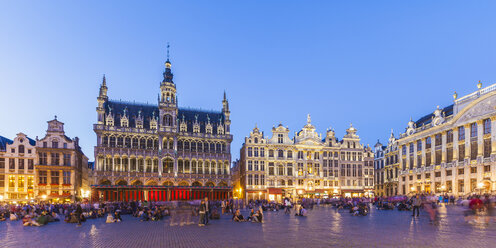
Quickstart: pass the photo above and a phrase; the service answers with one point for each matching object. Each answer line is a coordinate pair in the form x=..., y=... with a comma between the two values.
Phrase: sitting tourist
x=118, y=216
x=110, y=218
x=238, y=217
x=27, y=221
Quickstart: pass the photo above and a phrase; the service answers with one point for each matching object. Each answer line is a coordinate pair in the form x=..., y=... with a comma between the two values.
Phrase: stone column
x=493, y=136
x=415, y=162
x=433, y=150
x=480, y=138
x=443, y=147
x=455, y=145
x=423, y=152
x=467, y=141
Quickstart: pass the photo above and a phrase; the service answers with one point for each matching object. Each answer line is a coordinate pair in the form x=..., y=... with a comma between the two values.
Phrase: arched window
x=21, y=148
x=127, y=142
x=168, y=165
x=180, y=145
x=167, y=120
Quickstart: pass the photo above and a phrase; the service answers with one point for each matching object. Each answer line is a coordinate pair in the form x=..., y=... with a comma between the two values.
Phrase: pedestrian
x=416, y=202
x=207, y=210
x=78, y=213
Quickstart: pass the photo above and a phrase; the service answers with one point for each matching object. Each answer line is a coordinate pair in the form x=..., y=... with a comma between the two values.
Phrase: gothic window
x=142, y=143
x=149, y=144
x=133, y=164
x=120, y=141
x=112, y=141
x=168, y=165
x=186, y=146
x=218, y=148
x=193, y=146
x=167, y=120
x=141, y=164
x=135, y=142
x=179, y=145
x=127, y=142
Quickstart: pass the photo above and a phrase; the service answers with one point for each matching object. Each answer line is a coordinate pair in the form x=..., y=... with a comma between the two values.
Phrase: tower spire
x=168, y=73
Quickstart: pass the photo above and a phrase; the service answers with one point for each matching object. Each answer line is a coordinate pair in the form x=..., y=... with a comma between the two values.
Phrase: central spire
x=168, y=73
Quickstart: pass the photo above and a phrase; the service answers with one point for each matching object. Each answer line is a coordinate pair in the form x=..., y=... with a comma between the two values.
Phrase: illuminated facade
x=160, y=151
x=61, y=167
x=17, y=168
x=452, y=150
x=305, y=165
x=379, y=162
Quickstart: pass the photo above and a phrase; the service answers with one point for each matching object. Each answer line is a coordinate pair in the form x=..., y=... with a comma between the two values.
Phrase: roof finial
x=104, y=83
x=309, y=119
x=168, y=51
x=224, y=95
x=55, y=117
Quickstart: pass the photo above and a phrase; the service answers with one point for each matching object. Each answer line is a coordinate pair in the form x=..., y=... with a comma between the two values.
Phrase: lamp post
x=481, y=186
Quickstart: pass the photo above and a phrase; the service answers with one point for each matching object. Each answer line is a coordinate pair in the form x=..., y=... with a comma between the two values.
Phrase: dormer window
x=153, y=125
x=124, y=122
x=183, y=127
x=139, y=124
x=280, y=138
x=208, y=128
x=196, y=128
x=55, y=144
x=110, y=121
x=220, y=129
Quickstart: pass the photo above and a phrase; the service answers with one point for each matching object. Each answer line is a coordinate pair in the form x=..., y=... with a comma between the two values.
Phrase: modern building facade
x=160, y=152
x=306, y=165
x=17, y=168
x=452, y=150
x=61, y=167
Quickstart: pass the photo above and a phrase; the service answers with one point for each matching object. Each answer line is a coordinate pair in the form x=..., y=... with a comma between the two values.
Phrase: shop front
x=128, y=193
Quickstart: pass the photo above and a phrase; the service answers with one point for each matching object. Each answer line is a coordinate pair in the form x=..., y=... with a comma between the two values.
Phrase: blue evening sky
x=372, y=63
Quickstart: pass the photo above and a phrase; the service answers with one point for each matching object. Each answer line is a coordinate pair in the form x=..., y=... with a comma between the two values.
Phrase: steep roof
x=3, y=143
x=148, y=111
x=447, y=111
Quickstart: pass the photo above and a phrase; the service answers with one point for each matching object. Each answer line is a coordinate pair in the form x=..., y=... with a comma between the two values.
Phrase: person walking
x=78, y=213
x=207, y=211
x=416, y=202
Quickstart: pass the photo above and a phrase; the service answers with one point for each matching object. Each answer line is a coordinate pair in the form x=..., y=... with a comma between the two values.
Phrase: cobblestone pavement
x=324, y=227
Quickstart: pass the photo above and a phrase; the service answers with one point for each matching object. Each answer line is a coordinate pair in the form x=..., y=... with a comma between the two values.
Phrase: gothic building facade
x=160, y=151
x=306, y=165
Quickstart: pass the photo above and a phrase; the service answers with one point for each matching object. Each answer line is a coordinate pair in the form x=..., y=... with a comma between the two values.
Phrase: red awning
x=275, y=191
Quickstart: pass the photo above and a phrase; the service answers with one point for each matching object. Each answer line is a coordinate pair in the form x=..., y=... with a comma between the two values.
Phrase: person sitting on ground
x=110, y=218
x=118, y=216
x=55, y=217
x=145, y=216
x=238, y=217
x=27, y=221
x=13, y=217
x=252, y=215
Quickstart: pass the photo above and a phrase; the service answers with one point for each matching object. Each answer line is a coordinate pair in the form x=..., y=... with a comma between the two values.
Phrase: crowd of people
x=185, y=212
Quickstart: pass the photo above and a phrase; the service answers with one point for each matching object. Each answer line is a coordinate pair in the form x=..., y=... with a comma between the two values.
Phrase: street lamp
x=481, y=186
